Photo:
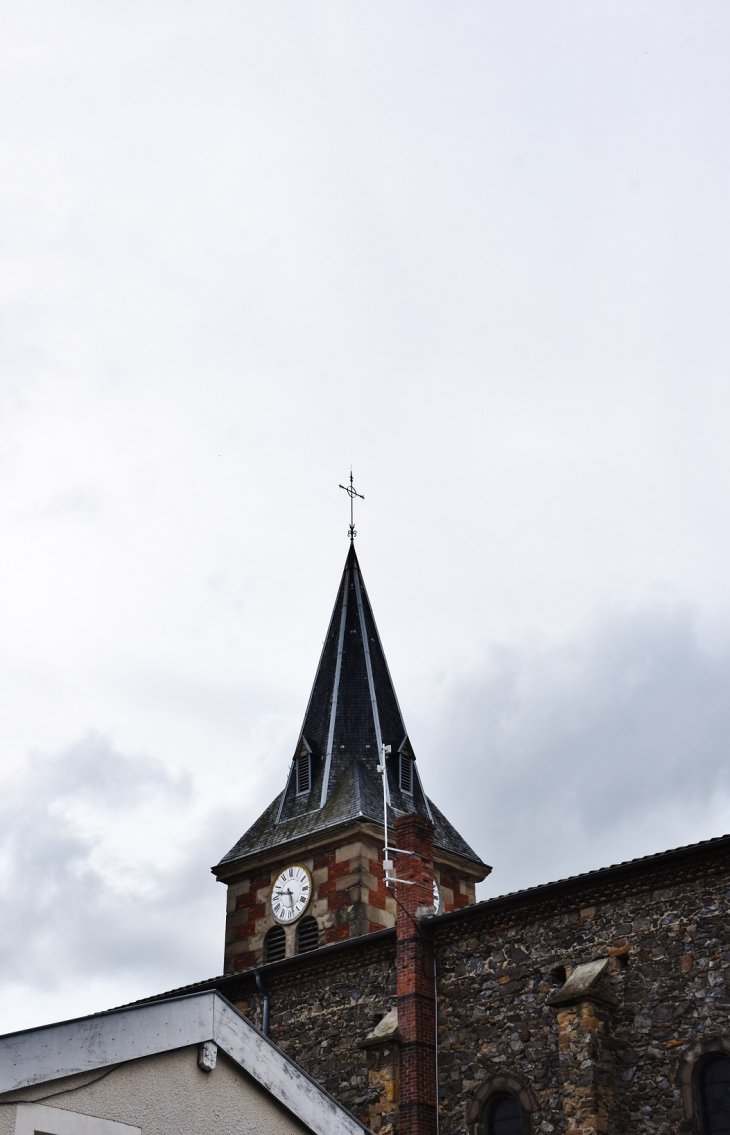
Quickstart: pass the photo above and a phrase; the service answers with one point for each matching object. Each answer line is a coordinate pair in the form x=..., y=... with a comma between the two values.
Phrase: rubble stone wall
x=593, y=1065
x=618, y=1059
x=320, y=1015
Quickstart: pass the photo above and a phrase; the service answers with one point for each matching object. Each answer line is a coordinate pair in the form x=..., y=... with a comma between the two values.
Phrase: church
x=595, y=1004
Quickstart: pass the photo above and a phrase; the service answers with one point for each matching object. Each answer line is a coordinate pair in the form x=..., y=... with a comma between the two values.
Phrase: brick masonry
x=415, y=979
x=349, y=897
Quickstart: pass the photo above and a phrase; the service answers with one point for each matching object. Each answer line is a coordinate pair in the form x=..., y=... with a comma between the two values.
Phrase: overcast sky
x=479, y=251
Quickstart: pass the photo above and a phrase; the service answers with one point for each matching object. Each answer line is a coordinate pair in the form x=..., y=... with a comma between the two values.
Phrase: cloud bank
x=104, y=888
x=551, y=760
x=484, y=259
x=611, y=745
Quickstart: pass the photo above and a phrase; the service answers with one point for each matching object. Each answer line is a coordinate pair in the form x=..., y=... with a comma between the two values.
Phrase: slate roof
x=352, y=711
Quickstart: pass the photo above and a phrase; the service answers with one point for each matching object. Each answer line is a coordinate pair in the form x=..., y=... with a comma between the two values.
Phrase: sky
x=478, y=252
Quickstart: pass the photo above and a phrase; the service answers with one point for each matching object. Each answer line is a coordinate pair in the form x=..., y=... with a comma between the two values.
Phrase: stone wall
x=610, y=1060
x=322, y=1010
x=615, y=1057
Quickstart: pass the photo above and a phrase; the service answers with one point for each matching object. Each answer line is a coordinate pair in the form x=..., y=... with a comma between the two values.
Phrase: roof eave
x=228, y=871
x=580, y=887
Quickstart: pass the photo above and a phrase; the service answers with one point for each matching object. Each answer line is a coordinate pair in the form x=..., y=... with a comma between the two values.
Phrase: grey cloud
x=550, y=760
x=599, y=749
x=64, y=916
x=93, y=769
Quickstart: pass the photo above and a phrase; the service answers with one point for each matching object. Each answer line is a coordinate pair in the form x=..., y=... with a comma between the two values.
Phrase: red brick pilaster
x=414, y=964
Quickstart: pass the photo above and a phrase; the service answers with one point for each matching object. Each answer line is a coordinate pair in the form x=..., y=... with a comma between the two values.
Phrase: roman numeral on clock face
x=291, y=893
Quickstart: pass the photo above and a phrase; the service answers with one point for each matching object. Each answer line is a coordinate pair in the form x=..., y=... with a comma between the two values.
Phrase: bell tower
x=309, y=871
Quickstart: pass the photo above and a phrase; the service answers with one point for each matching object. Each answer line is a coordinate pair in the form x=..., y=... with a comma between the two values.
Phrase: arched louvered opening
x=713, y=1088
x=406, y=773
x=307, y=935
x=304, y=774
x=505, y=1116
x=275, y=944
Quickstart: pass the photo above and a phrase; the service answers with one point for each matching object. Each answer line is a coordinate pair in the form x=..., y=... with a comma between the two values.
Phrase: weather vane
x=350, y=490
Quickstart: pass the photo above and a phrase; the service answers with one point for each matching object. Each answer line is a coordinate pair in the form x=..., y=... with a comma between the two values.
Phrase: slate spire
x=353, y=708
x=352, y=711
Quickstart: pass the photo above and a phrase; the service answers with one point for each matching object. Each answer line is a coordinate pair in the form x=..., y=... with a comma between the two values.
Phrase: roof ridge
x=596, y=872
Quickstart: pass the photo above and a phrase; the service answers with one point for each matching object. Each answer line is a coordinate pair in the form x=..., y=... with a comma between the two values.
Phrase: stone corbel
x=584, y=985
x=382, y=1054
x=385, y=1032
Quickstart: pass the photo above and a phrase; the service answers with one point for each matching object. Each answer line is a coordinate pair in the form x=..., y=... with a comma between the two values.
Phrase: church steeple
x=334, y=791
x=353, y=709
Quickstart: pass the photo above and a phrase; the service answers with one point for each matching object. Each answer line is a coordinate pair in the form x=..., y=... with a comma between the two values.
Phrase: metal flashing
x=319, y=664
x=369, y=668
x=357, y=786
x=385, y=660
x=335, y=691
x=598, y=883
x=417, y=776
x=283, y=795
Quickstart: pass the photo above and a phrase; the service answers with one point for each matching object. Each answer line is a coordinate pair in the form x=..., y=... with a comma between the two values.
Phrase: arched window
x=275, y=944
x=713, y=1089
x=307, y=935
x=505, y=1116
x=501, y=1105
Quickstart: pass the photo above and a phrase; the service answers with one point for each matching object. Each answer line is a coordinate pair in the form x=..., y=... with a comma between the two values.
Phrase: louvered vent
x=307, y=936
x=406, y=773
x=304, y=774
x=275, y=944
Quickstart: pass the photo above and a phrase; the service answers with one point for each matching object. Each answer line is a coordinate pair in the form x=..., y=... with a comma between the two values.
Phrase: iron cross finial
x=350, y=490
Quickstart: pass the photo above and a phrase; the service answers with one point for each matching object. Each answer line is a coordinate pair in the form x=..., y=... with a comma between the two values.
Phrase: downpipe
x=265, y=994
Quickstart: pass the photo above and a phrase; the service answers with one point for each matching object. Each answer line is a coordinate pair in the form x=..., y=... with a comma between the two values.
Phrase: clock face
x=291, y=893
x=438, y=902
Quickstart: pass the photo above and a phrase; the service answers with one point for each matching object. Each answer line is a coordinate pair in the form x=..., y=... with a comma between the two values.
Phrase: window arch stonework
x=478, y=1110
x=688, y=1078
x=713, y=1093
